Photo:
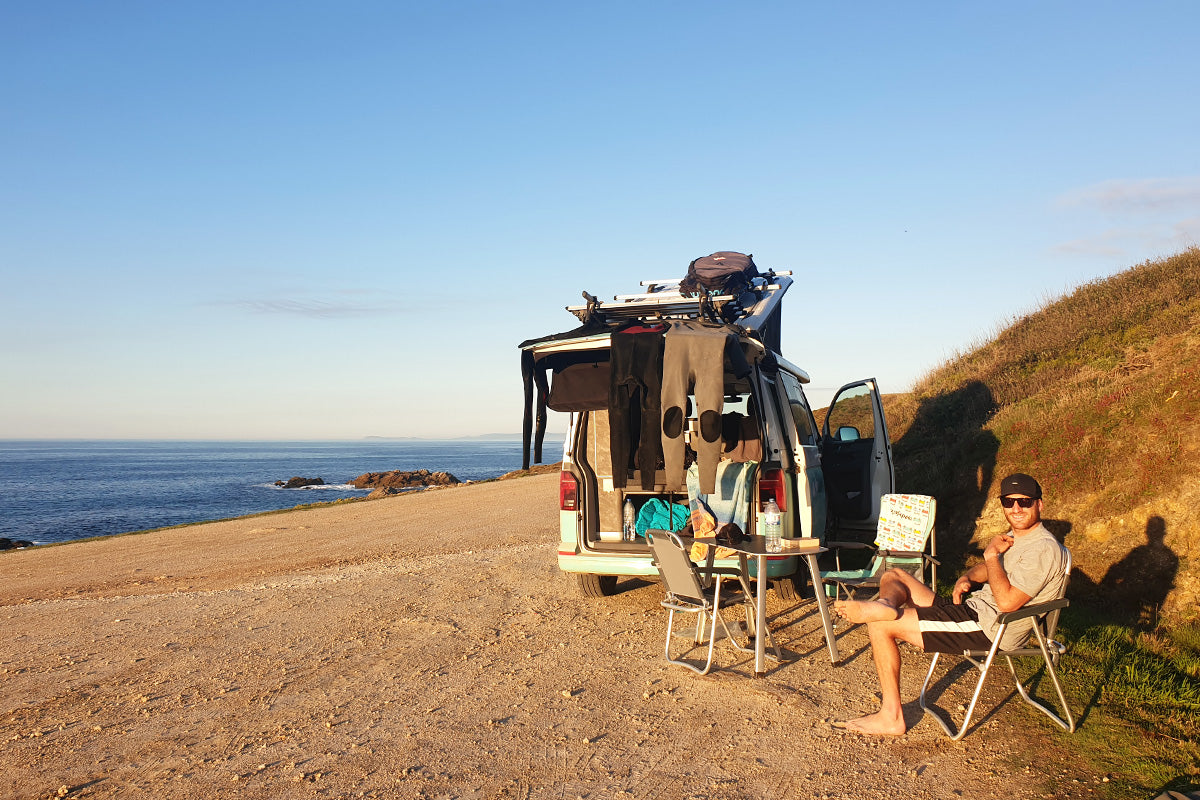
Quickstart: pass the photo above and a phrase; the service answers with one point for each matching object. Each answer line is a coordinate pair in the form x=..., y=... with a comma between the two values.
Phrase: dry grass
x=1098, y=395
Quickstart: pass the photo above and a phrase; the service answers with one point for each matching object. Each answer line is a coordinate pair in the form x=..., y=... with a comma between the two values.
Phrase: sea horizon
x=55, y=490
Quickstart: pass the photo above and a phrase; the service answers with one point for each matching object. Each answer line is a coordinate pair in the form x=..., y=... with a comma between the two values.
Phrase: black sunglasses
x=1023, y=502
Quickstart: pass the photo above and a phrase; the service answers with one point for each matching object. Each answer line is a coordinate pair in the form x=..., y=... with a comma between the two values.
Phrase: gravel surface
x=426, y=646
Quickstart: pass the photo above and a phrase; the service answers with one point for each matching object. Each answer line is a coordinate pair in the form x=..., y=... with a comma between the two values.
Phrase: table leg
x=760, y=619
x=823, y=605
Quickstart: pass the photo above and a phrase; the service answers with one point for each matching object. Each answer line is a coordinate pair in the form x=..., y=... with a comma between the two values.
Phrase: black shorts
x=949, y=628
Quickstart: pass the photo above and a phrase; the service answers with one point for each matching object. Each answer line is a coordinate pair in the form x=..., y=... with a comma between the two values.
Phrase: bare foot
x=867, y=610
x=877, y=725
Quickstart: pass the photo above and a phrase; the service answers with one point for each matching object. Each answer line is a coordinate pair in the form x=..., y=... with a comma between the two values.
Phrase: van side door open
x=856, y=455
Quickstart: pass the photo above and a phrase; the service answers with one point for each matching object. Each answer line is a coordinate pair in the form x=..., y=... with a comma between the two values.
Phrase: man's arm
x=973, y=577
x=1008, y=597
x=990, y=570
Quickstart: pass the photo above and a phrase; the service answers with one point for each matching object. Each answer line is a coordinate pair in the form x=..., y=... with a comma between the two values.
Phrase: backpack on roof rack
x=725, y=271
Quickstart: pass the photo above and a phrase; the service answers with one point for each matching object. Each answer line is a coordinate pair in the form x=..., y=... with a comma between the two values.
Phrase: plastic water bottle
x=629, y=529
x=772, y=526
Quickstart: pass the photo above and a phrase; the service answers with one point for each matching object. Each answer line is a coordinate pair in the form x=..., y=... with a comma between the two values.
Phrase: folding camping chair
x=1045, y=624
x=686, y=593
x=905, y=530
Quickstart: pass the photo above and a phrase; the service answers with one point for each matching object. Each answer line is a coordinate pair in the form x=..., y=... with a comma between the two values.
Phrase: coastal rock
x=300, y=483
x=13, y=544
x=399, y=479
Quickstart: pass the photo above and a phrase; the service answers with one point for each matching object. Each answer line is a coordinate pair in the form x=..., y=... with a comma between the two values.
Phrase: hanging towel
x=729, y=503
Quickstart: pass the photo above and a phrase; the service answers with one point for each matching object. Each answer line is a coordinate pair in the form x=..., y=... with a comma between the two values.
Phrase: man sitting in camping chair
x=1025, y=564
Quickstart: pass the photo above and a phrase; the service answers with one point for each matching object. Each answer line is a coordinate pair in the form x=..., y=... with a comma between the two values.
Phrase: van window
x=801, y=414
x=853, y=415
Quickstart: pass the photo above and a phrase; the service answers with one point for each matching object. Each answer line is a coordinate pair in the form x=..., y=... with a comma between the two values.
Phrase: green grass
x=1139, y=698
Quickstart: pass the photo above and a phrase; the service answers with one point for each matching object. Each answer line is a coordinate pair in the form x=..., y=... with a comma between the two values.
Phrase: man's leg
x=897, y=589
x=902, y=585
x=885, y=637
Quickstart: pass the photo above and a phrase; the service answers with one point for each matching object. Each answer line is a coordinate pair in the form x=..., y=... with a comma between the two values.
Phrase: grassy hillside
x=1097, y=394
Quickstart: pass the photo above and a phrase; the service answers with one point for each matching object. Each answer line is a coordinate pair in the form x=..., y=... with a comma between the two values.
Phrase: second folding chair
x=904, y=534
x=684, y=583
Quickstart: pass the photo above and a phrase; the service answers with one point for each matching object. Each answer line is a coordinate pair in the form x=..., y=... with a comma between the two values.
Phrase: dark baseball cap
x=1020, y=483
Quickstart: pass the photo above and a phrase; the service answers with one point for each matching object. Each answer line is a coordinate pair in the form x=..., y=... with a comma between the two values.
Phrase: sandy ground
x=426, y=646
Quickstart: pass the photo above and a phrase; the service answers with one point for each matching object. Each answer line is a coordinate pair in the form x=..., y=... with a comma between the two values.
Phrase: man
x=1024, y=564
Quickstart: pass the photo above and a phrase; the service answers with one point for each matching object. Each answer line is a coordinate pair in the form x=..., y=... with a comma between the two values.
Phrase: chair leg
x=751, y=614
x=748, y=606
x=729, y=634
x=702, y=623
x=712, y=641
x=667, y=646
x=1067, y=724
x=946, y=722
x=700, y=616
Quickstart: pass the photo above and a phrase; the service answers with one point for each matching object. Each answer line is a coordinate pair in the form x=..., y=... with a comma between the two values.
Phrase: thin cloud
x=1142, y=195
x=1099, y=246
x=1187, y=232
x=1129, y=242
x=319, y=309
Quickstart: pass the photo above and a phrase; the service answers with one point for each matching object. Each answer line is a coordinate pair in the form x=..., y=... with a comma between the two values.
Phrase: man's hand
x=961, y=587
x=998, y=545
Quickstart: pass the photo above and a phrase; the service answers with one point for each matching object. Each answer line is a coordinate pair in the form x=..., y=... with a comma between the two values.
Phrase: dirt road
x=426, y=646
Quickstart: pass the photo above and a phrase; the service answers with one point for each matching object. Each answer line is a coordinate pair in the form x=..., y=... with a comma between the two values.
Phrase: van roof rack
x=751, y=308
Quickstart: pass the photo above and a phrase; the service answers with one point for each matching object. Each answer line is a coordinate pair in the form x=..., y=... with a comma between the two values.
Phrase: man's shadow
x=1130, y=594
x=1136, y=587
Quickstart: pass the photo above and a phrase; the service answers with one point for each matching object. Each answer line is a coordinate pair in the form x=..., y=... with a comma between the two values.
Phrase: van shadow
x=948, y=453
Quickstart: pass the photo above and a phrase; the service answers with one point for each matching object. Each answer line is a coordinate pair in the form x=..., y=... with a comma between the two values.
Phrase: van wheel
x=791, y=589
x=596, y=585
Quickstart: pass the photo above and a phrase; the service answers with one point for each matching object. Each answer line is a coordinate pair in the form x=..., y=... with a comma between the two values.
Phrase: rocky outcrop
x=536, y=469
x=300, y=483
x=399, y=479
x=384, y=491
x=13, y=544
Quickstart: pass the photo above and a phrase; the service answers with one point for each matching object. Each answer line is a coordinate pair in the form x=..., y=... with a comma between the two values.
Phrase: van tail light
x=568, y=492
x=770, y=484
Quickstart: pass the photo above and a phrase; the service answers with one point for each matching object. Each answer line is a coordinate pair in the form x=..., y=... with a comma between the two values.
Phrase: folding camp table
x=756, y=546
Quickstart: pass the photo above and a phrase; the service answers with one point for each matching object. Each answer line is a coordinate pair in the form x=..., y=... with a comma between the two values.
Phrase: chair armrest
x=909, y=554
x=849, y=546
x=1031, y=611
x=734, y=571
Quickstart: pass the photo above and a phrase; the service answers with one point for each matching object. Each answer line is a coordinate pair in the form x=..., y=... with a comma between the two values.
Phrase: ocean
x=57, y=491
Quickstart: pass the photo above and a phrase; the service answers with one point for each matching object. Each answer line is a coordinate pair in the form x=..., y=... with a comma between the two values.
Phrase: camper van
x=681, y=401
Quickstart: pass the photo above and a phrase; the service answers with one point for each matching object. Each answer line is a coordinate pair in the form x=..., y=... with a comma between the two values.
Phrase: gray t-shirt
x=1036, y=565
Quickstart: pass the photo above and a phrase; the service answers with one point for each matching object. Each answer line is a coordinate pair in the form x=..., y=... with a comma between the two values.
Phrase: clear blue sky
x=303, y=220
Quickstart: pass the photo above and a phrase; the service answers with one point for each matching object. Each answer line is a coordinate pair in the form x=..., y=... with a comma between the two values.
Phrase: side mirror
x=847, y=433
